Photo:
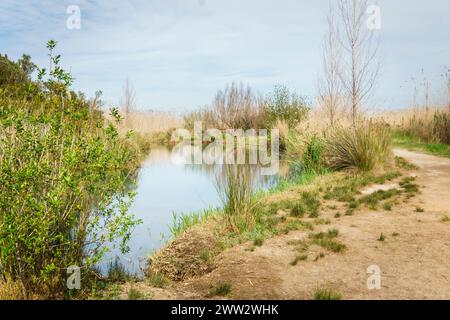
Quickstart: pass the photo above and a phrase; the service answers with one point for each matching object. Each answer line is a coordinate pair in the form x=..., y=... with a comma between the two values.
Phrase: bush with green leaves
x=63, y=183
x=285, y=106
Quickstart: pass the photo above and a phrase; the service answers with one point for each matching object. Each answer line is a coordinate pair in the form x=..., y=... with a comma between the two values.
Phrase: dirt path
x=414, y=259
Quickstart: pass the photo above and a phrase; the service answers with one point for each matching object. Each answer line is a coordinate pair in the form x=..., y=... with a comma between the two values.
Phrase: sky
x=178, y=53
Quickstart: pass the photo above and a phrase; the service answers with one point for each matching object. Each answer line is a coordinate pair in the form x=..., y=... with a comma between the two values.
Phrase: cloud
x=178, y=52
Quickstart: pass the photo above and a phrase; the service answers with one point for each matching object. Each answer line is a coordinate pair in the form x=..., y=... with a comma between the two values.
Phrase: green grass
x=327, y=294
x=158, y=280
x=206, y=255
x=116, y=272
x=298, y=210
x=258, y=242
x=221, y=289
x=404, y=164
x=320, y=221
x=387, y=206
x=408, y=186
x=413, y=143
x=311, y=202
x=372, y=200
x=134, y=294
x=326, y=240
x=182, y=222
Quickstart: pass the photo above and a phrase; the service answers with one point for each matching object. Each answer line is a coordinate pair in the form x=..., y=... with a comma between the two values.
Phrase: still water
x=164, y=188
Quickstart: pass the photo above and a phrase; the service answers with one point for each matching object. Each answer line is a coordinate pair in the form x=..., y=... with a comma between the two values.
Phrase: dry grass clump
x=13, y=290
x=148, y=122
x=185, y=256
x=362, y=147
x=10, y=290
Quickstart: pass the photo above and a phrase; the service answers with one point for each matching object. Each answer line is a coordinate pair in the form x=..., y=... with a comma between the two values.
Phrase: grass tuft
x=221, y=289
x=327, y=294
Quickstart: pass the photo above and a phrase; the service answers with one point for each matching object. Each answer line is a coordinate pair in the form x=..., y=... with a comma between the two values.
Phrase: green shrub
x=286, y=106
x=63, y=183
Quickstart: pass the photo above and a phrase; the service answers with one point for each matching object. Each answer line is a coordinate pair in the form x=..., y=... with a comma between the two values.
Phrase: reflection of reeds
x=236, y=192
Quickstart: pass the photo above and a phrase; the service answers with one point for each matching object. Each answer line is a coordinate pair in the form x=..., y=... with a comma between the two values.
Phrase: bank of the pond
x=170, y=197
x=311, y=224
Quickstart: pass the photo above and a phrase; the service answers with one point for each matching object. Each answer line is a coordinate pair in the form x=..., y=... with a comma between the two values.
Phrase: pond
x=164, y=188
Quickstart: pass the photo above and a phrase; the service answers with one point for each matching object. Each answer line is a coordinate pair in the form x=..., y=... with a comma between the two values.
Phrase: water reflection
x=164, y=188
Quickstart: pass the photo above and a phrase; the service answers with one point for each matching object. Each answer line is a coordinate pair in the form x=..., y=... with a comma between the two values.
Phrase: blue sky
x=177, y=53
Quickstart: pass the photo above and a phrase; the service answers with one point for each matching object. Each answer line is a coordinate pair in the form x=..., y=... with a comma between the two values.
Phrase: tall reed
x=235, y=187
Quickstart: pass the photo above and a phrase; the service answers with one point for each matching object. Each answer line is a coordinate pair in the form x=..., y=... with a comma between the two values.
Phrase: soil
x=413, y=258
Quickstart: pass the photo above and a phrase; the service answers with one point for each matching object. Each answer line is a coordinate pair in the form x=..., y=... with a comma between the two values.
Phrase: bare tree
x=129, y=98
x=329, y=86
x=359, y=63
x=448, y=89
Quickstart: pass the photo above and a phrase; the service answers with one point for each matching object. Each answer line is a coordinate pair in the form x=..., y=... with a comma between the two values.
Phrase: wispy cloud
x=178, y=52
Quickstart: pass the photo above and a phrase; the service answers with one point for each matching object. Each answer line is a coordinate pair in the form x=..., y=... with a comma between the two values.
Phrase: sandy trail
x=414, y=264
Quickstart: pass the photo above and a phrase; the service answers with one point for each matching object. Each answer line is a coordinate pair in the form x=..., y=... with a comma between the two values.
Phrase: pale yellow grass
x=402, y=118
x=147, y=122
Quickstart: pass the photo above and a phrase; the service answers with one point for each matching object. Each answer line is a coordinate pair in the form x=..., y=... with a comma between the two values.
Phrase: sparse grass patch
x=353, y=205
x=404, y=164
x=221, y=289
x=298, y=259
x=331, y=245
x=258, y=242
x=320, y=221
x=327, y=294
x=312, y=203
x=326, y=240
x=381, y=237
x=116, y=272
x=298, y=210
x=134, y=294
x=420, y=209
x=319, y=256
x=206, y=255
x=408, y=186
x=182, y=222
x=158, y=280
x=372, y=200
x=349, y=212
x=445, y=219
x=292, y=225
x=387, y=206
